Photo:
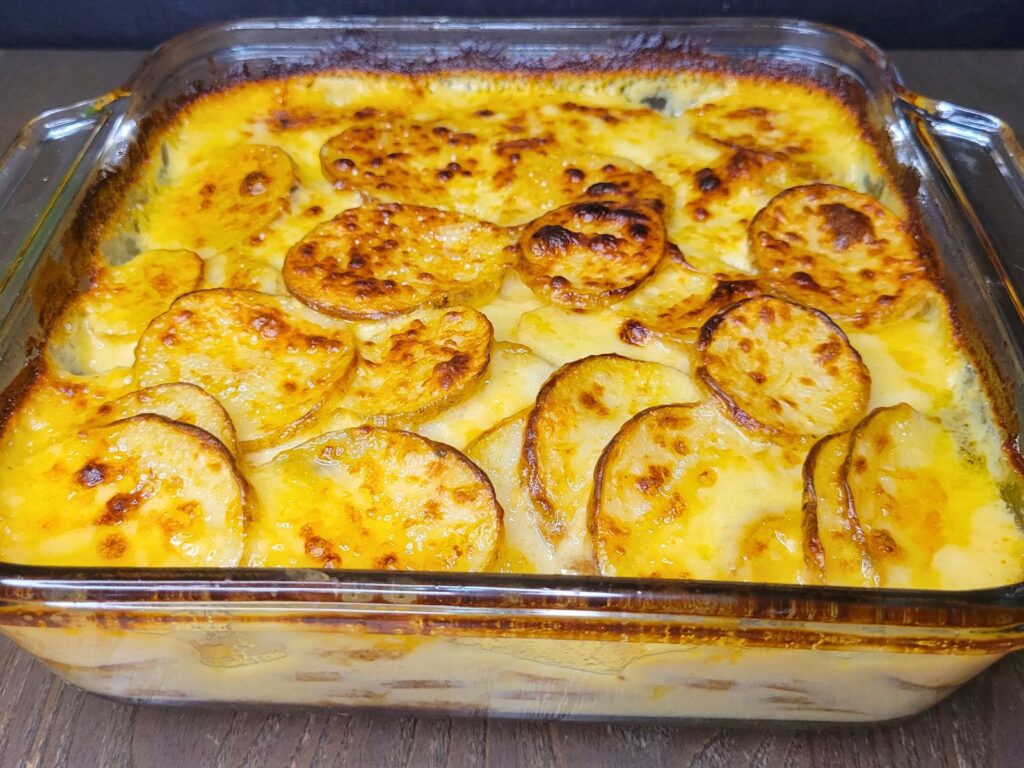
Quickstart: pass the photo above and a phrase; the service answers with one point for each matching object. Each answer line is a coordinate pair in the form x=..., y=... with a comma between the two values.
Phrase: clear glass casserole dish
x=534, y=646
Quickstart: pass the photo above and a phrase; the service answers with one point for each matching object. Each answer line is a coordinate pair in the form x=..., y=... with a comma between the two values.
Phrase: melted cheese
x=240, y=178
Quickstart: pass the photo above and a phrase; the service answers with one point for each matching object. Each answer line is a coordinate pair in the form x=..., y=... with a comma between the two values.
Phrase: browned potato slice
x=144, y=491
x=178, y=402
x=678, y=493
x=932, y=516
x=376, y=261
x=578, y=411
x=753, y=127
x=374, y=498
x=469, y=161
x=782, y=369
x=267, y=359
x=833, y=542
x=523, y=548
x=420, y=363
x=229, y=197
x=591, y=253
x=536, y=177
x=404, y=161
x=840, y=251
x=100, y=328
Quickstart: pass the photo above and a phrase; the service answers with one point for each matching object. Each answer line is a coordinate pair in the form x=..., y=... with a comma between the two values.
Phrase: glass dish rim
x=997, y=607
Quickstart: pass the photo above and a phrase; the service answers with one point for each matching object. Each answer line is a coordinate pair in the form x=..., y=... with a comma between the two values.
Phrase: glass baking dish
x=524, y=646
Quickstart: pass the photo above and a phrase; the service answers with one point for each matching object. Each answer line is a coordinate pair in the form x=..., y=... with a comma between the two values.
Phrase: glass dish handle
x=44, y=170
x=981, y=164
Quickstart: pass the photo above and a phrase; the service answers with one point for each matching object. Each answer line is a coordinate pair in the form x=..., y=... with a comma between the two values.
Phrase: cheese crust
x=680, y=321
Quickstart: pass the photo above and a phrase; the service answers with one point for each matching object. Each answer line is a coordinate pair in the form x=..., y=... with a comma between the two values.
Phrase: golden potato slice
x=840, y=251
x=523, y=548
x=756, y=128
x=591, y=253
x=834, y=544
x=578, y=411
x=100, y=328
x=677, y=300
x=469, y=163
x=420, y=363
x=178, y=402
x=537, y=176
x=513, y=378
x=404, y=161
x=231, y=196
x=376, y=261
x=932, y=516
x=267, y=359
x=680, y=493
x=144, y=491
x=782, y=369
x=374, y=498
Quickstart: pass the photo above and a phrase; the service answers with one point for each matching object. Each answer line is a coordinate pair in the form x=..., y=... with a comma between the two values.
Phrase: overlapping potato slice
x=783, y=369
x=591, y=253
x=404, y=161
x=677, y=300
x=381, y=260
x=561, y=335
x=523, y=549
x=834, y=545
x=143, y=491
x=577, y=412
x=932, y=516
x=680, y=493
x=241, y=271
x=418, y=364
x=534, y=176
x=514, y=376
x=229, y=197
x=100, y=328
x=840, y=251
x=178, y=402
x=374, y=498
x=756, y=128
x=267, y=359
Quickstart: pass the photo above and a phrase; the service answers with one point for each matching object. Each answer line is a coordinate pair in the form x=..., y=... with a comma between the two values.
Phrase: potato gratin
x=654, y=324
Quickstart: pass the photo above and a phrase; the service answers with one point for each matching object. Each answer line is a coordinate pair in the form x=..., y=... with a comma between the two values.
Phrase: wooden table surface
x=44, y=722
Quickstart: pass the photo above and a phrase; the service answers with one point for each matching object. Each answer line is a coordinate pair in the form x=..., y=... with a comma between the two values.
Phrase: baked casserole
x=669, y=324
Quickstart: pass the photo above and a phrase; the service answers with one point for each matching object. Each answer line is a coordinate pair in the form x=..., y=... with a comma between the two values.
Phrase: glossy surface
x=50, y=722
x=949, y=606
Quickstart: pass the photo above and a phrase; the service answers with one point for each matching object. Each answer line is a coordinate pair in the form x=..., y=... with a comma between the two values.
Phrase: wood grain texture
x=44, y=722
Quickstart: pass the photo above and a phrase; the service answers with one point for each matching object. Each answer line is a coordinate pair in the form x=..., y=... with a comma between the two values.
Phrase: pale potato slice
x=591, y=253
x=420, y=363
x=578, y=411
x=924, y=505
x=782, y=369
x=560, y=335
x=100, y=328
x=231, y=196
x=235, y=269
x=681, y=493
x=374, y=498
x=267, y=360
x=381, y=260
x=523, y=548
x=510, y=384
x=178, y=402
x=840, y=251
x=834, y=543
x=144, y=492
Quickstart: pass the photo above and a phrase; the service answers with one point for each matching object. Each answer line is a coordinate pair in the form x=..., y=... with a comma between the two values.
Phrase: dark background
x=145, y=23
